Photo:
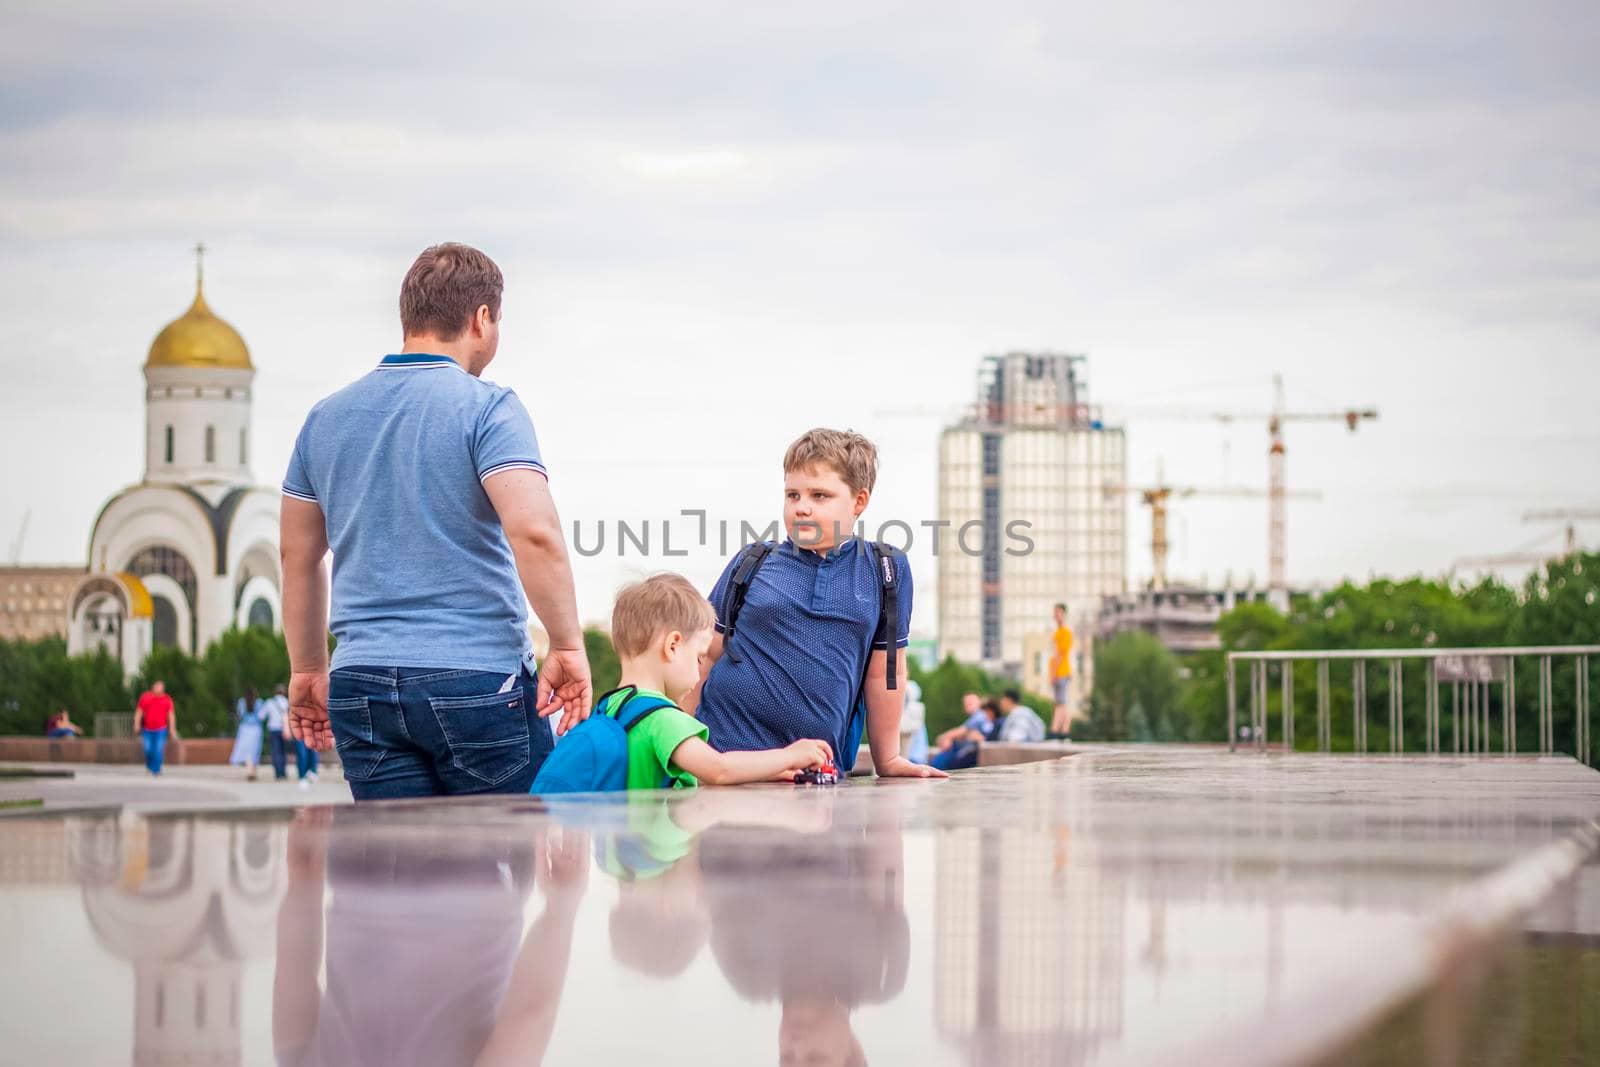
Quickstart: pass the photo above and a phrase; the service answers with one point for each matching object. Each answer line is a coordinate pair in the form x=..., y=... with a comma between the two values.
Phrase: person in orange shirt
x=1061, y=674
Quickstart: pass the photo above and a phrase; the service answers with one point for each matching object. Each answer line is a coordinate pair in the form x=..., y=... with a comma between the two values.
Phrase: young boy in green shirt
x=662, y=629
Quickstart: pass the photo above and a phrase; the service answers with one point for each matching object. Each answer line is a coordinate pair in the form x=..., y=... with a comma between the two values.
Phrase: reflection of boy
x=835, y=937
x=807, y=633
x=661, y=628
x=660, y=921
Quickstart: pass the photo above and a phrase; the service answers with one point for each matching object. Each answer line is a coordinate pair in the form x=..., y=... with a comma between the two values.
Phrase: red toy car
x=827, y=774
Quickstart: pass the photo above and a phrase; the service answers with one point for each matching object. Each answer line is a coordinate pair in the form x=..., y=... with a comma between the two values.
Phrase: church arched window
x=244, y=448
x=211, y=444
x=163, y=560
x=165, y=622
x=169, y=444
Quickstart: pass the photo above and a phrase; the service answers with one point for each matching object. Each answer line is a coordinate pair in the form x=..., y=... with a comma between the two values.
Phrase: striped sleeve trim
x=514, y=465
x=298, y=495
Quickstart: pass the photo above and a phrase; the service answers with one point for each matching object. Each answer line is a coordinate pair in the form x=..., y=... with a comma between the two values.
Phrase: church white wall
x=146, y=516
x=189, y=400
x=264, y=589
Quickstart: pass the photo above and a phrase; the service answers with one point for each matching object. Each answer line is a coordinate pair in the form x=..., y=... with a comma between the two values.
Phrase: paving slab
x=1138, y=906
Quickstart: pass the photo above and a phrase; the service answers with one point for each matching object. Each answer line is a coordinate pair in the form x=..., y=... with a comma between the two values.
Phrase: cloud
x=739, y=222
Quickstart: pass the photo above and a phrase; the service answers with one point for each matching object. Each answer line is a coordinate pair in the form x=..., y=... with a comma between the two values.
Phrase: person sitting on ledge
x=62, y=726
x=959, y=745
x=806, y=623
x=1020, y=722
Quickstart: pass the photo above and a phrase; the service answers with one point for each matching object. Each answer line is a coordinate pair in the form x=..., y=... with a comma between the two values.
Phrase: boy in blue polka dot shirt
x=806, y=639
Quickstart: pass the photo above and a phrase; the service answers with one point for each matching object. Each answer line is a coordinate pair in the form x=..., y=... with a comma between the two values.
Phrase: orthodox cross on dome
x=199, y=266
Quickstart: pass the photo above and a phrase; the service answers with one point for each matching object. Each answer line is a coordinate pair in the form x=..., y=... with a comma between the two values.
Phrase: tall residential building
x=1022, y=485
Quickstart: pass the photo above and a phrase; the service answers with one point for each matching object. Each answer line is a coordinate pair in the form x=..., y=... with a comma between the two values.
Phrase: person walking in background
x=306, y=759
x=275, y=715
x=247, y=741
x=154, y=721
x=428, y=485
x=1061, y=674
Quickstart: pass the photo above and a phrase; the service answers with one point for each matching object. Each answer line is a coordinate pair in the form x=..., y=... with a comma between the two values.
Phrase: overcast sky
x=721, y=225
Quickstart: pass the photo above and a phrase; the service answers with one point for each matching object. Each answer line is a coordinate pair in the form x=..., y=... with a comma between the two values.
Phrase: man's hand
x=900, y=767
x=308, y=709
x=565, y=686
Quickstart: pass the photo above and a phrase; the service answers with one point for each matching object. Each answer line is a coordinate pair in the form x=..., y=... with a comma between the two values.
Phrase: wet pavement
x=1120, y=907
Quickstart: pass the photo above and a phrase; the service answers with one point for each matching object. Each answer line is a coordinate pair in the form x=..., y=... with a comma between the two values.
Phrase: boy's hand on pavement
x=900, y=767
x=808, y=753
x=308, y=709
x=565, y=685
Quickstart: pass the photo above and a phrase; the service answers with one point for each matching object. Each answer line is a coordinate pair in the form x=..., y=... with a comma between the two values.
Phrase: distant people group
x=267, y=719
x=1004, y=719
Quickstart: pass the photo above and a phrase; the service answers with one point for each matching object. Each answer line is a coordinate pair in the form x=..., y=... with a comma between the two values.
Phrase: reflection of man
x=422, y=953
x=1061, y=673
x=153, y=720
x=815, y=921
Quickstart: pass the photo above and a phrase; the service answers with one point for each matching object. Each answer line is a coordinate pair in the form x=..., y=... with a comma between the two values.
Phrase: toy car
x=827, y=774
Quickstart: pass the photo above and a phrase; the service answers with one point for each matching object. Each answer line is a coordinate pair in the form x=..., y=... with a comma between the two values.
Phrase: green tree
x=237, y=661
x=604, y=666
x=1136, y=692
x=37, y=678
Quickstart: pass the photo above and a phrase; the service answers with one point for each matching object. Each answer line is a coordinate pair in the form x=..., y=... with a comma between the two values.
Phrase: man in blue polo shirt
x=806, y=638
x=428, y=485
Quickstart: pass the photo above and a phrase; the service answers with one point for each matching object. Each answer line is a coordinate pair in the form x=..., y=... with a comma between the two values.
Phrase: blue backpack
x=593, y=756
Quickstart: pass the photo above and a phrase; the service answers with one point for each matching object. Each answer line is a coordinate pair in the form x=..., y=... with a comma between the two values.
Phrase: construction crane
x=1157, y=498
x=22, y=534
x=1570, y=516
x=1278, y=583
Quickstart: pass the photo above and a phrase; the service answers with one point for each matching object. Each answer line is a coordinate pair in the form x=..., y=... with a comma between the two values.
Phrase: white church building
x=192, y=549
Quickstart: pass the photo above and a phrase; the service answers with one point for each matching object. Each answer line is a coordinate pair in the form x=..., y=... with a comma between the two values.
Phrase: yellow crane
x=1157, y=498
x=1276, y=494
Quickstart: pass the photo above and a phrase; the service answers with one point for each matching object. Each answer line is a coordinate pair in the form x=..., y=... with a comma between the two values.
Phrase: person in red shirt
x=154, y=720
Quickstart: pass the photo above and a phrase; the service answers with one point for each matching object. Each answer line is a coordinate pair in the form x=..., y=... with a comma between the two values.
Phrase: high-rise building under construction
x=1023, y=483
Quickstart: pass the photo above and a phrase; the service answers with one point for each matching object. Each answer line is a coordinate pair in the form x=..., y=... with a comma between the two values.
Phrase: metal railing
x=1471, y=676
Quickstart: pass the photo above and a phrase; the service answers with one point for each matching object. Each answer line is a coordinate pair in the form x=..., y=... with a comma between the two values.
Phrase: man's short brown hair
x=445, y=287
x=853, y=457
x=662, y=602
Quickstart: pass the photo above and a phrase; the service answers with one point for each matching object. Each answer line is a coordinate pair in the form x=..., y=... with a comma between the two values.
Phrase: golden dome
x=199, y=339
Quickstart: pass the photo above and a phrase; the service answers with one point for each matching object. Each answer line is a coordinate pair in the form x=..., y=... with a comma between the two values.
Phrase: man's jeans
x=305, y=759
x=155, y=749
x=425, y=731
x=280, y=759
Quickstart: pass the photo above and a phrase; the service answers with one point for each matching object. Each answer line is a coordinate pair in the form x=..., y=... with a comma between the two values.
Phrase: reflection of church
x=192, y=549
x=187, y=901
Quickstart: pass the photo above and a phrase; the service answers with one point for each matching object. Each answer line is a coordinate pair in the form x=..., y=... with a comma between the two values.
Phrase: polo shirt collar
x=838, y=551
x=416, y=361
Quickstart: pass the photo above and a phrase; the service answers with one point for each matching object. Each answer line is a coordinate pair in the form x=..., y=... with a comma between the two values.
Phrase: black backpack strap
x=884, y=559
x=745, y=565
x=622, y=705
x=600, y=701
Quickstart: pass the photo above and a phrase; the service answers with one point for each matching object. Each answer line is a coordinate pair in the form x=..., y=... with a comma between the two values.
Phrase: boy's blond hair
x=662, y=602
x=853, y=457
